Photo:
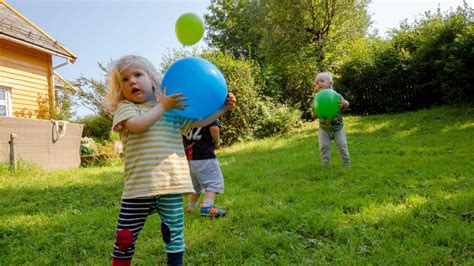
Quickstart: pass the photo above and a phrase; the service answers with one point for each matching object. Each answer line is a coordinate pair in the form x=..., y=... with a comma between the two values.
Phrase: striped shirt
x=155, y=161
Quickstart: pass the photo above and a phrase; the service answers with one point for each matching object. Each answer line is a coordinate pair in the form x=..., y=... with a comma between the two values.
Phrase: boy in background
x=206, y=173
x=331, y=128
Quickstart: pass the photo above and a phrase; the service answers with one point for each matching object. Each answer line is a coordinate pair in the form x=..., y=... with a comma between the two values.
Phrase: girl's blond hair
x=114, y=82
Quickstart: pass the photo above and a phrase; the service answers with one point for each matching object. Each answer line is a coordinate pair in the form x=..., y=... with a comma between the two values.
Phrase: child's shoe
x=189, y=210
x=212, y=211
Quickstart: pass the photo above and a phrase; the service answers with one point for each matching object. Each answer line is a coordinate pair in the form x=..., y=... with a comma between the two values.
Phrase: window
x=5, y=102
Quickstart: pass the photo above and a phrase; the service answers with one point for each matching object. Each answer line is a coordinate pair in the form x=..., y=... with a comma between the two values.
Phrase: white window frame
x=8, y=100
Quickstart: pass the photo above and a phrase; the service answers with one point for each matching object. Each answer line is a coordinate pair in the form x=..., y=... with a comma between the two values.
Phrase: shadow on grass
x=284, y=231
x=65, y=223
x=288, y=218
x=424, y=122
x=51, y=200
x=73, y=235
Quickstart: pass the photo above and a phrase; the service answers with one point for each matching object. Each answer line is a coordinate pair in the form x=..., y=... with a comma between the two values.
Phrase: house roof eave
x=67, y=54
x=67, y=83
x=37, y=47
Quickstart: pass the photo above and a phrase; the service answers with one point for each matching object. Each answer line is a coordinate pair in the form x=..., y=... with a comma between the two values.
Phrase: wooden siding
x=28, y=73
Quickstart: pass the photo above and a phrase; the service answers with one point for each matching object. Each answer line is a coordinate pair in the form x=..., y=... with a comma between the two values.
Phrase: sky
x=103, y=30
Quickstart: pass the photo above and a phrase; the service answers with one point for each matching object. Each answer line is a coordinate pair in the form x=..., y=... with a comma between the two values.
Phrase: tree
x=64, y=100
x=91, y=93
x=288, y=39
x=429, y=62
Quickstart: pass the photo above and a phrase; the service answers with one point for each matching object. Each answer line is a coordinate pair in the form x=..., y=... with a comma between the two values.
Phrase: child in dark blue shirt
x=206, y=173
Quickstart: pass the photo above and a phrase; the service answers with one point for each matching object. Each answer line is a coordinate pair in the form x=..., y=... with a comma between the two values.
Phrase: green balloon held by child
x=325, y=103
x=189, y=28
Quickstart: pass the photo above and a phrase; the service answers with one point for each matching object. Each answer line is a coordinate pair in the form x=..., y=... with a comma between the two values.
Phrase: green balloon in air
x=325, y=103
x=189, y=28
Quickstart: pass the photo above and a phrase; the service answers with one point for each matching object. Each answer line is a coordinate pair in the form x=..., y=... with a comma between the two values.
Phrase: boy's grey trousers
x=339, y=136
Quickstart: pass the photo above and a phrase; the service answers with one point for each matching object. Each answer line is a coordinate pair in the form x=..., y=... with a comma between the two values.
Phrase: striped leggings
x=132, y=217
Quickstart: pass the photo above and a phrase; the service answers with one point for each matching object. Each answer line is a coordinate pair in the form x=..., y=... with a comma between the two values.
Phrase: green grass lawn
x=408, y=198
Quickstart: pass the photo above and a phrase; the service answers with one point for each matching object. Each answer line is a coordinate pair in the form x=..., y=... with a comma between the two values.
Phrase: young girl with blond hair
x=156, y=169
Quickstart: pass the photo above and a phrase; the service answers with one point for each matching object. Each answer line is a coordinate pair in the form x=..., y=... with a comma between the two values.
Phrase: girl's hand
x=172, y=101
x=230, y=102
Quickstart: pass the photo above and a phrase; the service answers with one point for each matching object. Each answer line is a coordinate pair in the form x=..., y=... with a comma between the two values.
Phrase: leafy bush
x=88, y=146
x=86, y=150
x=96, y=126
x=275, y=119
x=99, y=160
x=239, y=124
x=428, y=63
x=252, y=114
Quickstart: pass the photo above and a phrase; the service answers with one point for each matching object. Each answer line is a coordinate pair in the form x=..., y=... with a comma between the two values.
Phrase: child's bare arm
x=229, y=105
x=142, y=123
x=215, y=133
x=343, y=103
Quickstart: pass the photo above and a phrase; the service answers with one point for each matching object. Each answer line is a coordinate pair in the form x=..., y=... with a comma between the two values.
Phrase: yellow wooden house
x=28, y=82
x=29, y=89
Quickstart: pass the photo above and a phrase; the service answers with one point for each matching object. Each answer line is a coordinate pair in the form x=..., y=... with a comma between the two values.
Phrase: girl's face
x=137, y=85
x=323, y=83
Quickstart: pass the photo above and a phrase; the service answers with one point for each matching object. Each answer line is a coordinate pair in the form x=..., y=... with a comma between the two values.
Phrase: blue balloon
x=201, y=82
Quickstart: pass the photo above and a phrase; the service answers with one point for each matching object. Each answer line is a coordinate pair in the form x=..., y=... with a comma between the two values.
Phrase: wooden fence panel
x=39, y=142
